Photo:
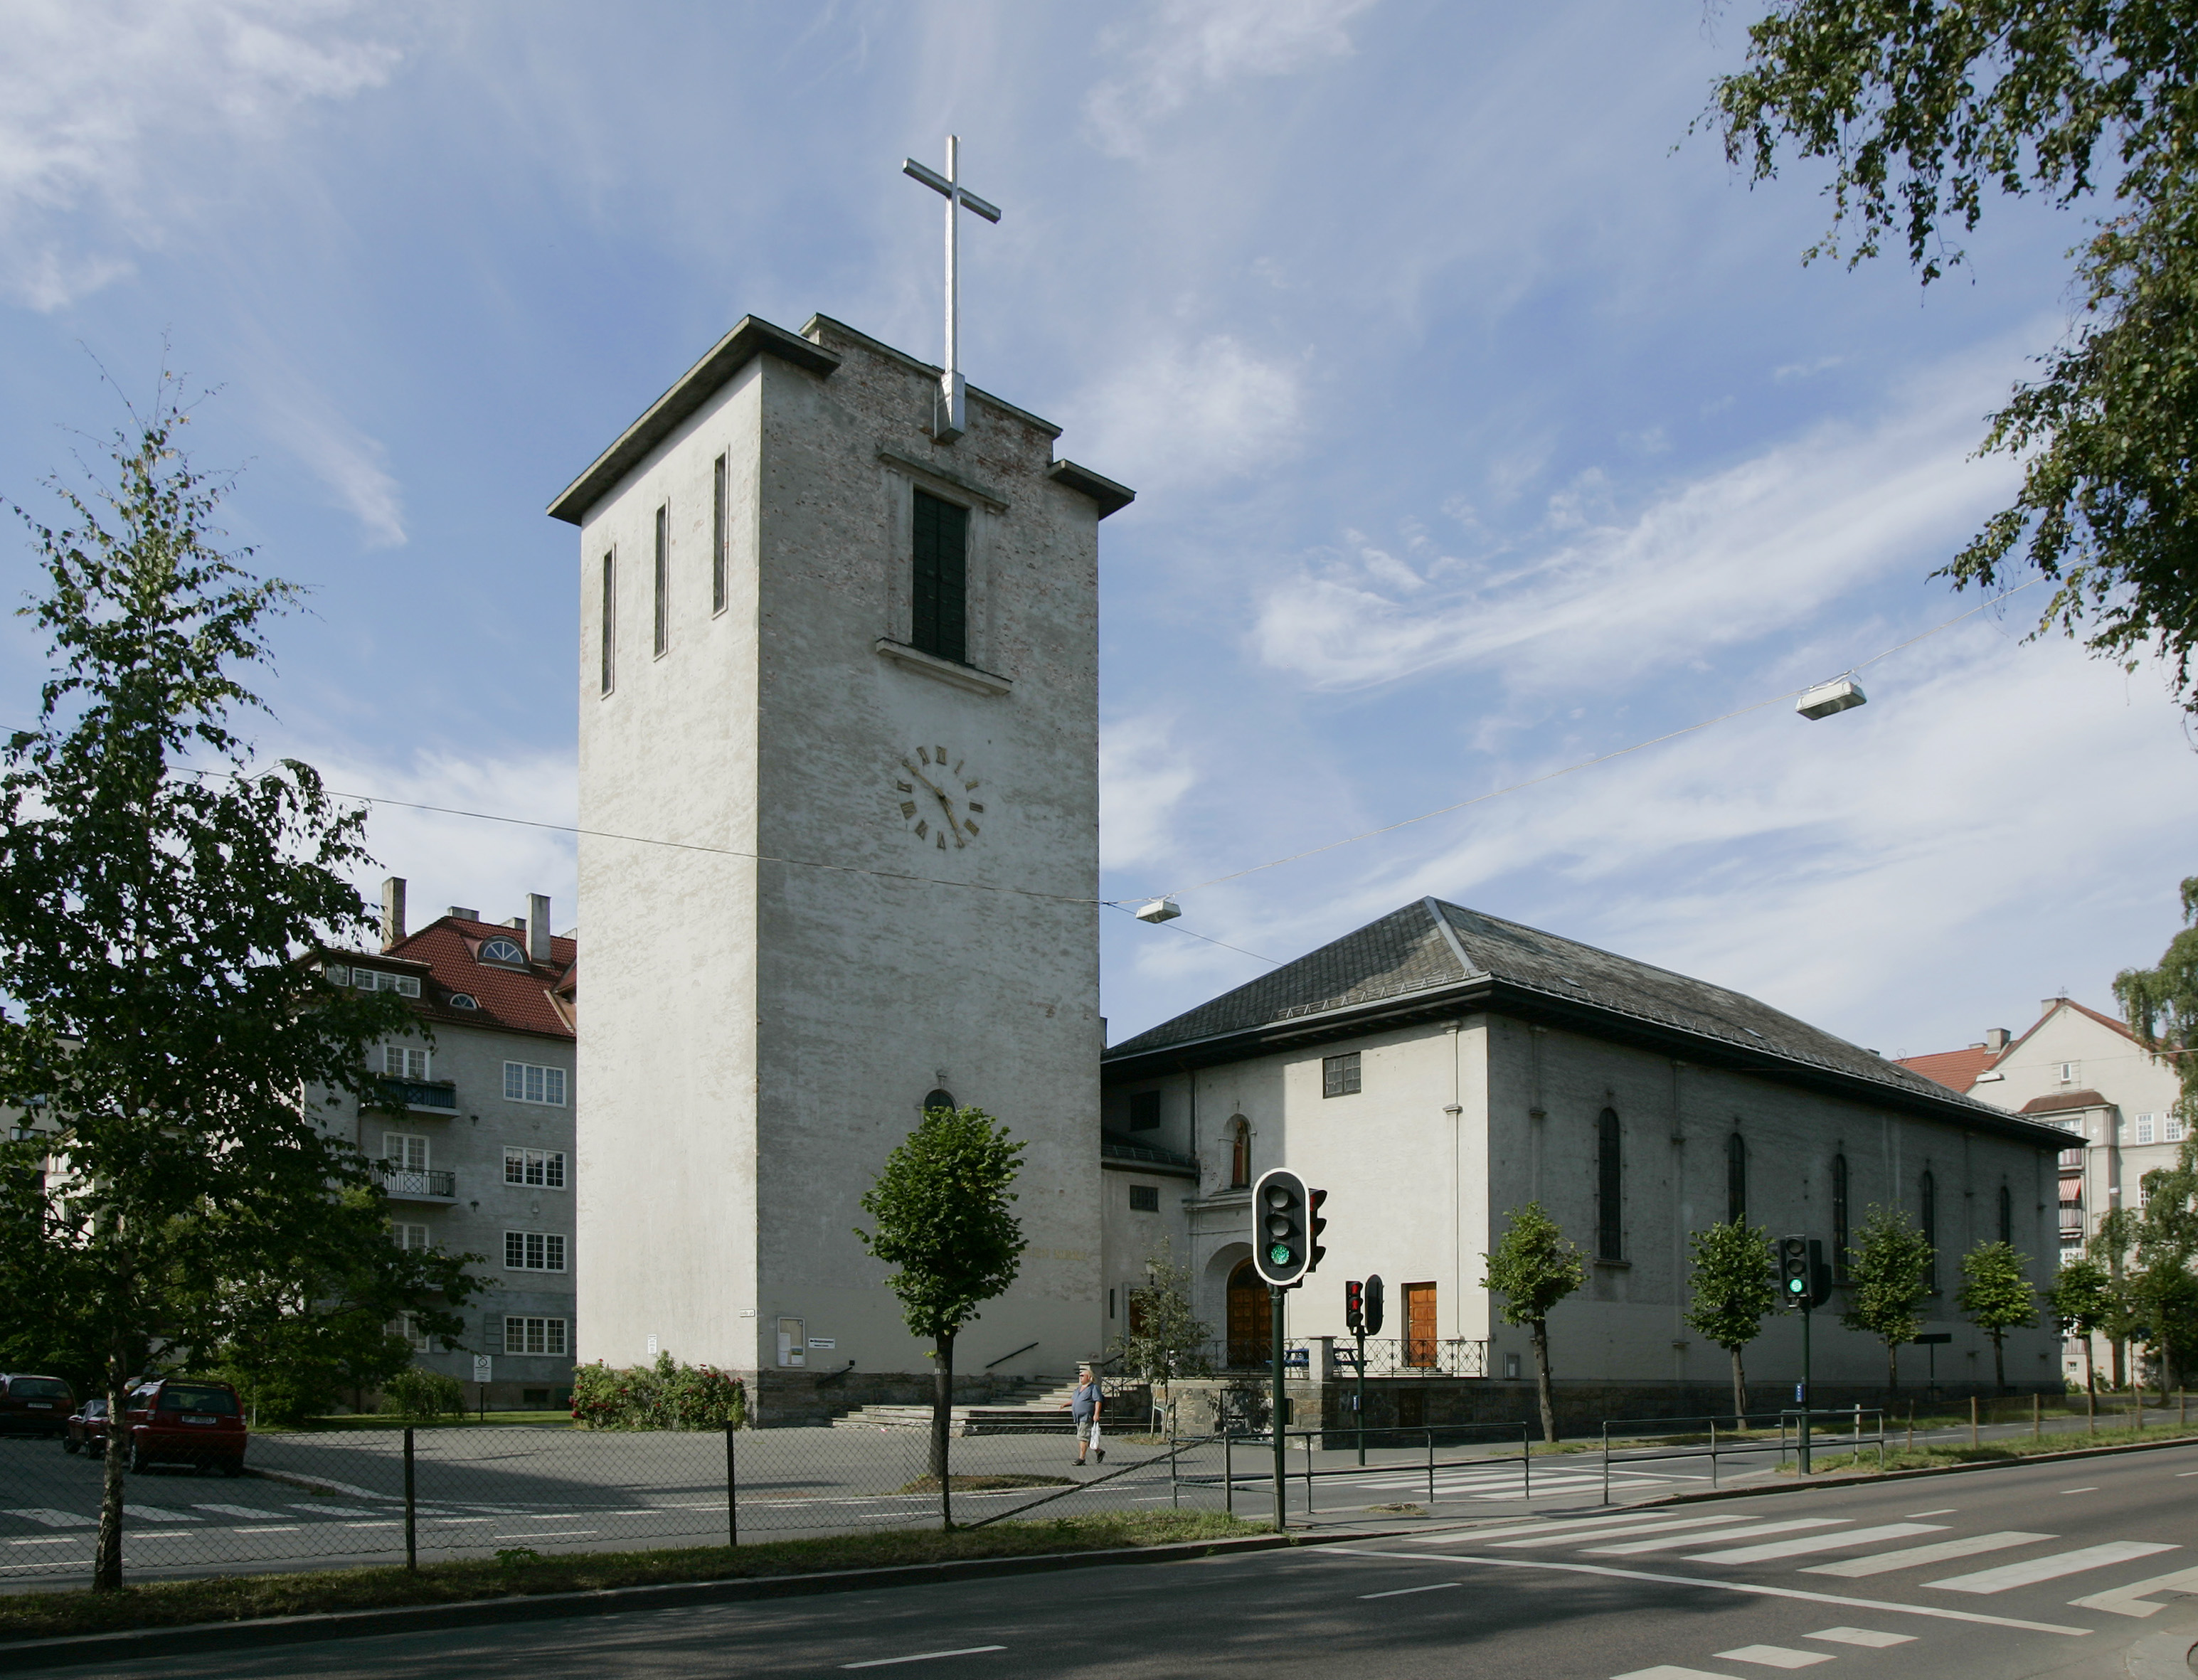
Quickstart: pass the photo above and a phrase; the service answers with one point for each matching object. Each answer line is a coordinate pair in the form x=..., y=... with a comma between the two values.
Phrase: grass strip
x=1939, y=1454
x=521, y=1573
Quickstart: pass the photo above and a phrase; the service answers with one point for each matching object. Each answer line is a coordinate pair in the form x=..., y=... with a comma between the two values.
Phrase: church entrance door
x=1420, y=1325
x=1250, y=1323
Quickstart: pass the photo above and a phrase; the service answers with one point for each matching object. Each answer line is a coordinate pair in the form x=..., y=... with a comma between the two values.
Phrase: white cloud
x=1141, y=778
x=100, y=99
x=1711, y=562
x=1186, y=47
x=344, y=458
x=1193, y=414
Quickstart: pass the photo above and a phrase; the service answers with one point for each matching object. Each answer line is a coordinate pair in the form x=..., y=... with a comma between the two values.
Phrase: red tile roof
x=1957, y=1070
x=539, y=999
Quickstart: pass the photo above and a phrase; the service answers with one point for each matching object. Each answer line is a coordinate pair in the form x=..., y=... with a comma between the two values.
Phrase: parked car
x=87, y=1429
x=35, y=1405
x=186, y=1421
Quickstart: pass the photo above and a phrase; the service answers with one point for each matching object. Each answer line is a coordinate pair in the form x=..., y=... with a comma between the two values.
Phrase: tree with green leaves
x=942, y=1210
x=1733, y=1288
x=1996, y=1296
x=2115, y=1245
x=1166, y=1339
x=1925, y=109
x=157, y=885
x=1889, y=1267
x=2081, y=1300
x=1533, y=1266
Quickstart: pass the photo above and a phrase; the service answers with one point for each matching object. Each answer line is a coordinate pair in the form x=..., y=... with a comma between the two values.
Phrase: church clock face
x=938, y=794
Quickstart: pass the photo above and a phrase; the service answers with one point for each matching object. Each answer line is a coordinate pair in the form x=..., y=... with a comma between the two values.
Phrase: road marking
x=1818, y=1543
x=1627, y=1532
x=1754, y=1589
x=54, y=1518
x=1862, y=1635
x=2050, y=1568
x=238, y=1511
x=1777, y=1656
x=1588, y=1526
x=925, y=1656
x=160, y=1513
x=160, y=1534
x=554, y=1534
x=49, y=1540
x=1915, y=1556
x=2130, y=1601
x=1672, y=1543
x=2180, y=1475
x=1666, y=1672
x=2067, y=1491
x=335, y=1510
x=1943, y=1511
x=1399, y=1592
x=262, y=1530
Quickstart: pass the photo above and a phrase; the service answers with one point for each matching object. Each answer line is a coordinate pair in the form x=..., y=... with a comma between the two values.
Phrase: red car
x=86, y=1431
x=36, y=1405
x=186, y=1421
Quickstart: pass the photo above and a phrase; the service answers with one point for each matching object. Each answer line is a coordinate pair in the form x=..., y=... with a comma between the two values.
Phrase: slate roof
x=1432, y=947
x=446, y=953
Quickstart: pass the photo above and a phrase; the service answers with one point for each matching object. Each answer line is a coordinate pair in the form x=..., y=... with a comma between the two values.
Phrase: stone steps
x=1025, y=1408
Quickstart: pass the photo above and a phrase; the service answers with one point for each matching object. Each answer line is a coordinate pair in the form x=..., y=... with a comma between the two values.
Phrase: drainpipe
x=1457, y=1112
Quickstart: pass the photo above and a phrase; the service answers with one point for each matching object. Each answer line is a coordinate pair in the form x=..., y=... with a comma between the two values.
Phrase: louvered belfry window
x=940, y=624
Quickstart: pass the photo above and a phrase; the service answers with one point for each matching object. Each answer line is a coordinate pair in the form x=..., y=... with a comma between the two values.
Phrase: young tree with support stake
x=1889, y=1267
x=1996, y=1296
x=2081, y=1301
x=1733, y=1288
x=942, y=1209
x=157, y=889
x=1534, y=1267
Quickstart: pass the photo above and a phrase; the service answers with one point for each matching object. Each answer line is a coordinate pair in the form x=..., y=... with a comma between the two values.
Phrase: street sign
x=483, y=1368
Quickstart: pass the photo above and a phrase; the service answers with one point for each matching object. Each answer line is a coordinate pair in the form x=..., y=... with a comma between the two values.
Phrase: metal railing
x=1649, y=1440
x=440, y=1094
x=407, y=1182
x=1386, y=1356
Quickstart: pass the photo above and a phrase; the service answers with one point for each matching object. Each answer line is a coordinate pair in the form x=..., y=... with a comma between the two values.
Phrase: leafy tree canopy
x=1733, y=1286
x=1889, y=1267
x=1533, y=1266
x=944, y=1217
x=1925, y=109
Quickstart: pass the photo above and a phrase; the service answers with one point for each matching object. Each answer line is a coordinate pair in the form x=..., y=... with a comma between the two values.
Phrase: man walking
x=1084, y=1408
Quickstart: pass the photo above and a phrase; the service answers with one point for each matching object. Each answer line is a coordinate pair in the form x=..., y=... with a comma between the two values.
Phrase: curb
x=1796, y=1484
x=123, y=1645
x=2164, y=1657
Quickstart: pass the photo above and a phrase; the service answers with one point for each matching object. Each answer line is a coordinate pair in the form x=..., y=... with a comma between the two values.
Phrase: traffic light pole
x=1806, y=1315
x=1280, y=1412
x=1362, y=1393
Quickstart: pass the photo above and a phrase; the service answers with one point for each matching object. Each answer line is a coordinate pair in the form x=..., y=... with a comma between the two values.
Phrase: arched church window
x=1736, y=1179
x=1840, y=1217
x=1609, y=1189
x=2006, y=1214
x=1240, y=1155
x=939, y=1099
x=1929, y=1198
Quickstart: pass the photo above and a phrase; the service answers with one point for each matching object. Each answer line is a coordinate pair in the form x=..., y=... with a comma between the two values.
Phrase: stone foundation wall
x=786, y=1399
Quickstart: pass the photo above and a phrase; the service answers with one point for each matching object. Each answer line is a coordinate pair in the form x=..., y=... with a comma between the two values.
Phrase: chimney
x=461, y=913
x=2050, y=1005
x=392, y=912
x=1996, y=1038
x=537, y=926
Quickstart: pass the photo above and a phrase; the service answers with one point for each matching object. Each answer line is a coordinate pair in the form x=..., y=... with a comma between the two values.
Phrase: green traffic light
x=1279, y=1253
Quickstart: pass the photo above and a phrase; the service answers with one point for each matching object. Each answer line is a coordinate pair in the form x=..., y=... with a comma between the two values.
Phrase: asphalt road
x=2000, y=1574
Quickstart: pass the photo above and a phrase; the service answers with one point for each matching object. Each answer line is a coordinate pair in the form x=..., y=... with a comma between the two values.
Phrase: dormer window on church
x=940, y=594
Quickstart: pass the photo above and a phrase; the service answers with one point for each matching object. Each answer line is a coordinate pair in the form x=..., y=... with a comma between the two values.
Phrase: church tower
x=838, y=805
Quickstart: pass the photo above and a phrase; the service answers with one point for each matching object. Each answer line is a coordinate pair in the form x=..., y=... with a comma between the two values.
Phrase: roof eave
x=1485, y=992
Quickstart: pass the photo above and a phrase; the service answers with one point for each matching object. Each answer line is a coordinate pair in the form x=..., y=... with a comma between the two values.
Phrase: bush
x=666, y=1395
x=413, y=1392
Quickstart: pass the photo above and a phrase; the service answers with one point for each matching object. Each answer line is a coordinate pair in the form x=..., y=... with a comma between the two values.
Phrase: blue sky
x=1481, y=421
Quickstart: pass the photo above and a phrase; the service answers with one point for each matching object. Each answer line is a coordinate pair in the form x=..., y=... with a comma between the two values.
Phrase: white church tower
x=839, y=811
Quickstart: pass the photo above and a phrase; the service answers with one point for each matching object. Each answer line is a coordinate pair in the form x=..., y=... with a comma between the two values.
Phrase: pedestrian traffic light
x=1374, y=1306
x=1315, y=1226
x=1795, y=1285
x=1281, y=1224
x=1354, y=1306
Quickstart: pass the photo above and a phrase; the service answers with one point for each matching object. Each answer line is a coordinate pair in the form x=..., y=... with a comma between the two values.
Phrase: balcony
x=429, y=1096
x=405, y=1183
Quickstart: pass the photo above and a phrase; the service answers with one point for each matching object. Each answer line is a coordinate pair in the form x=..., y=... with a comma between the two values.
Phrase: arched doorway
x=1250, y=1327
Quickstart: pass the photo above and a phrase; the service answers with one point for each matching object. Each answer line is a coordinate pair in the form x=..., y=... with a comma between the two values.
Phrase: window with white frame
x=2068, y=1072
x=404, y=1061
x=533, y=1251
x=523, y=1082
x=410, y=1237
x=545, y=1167
x=403, y=1152
x=409, y=1327
x=2172, y=1131
x=2145, y=1127
x=373, y=979
x=535, y=1336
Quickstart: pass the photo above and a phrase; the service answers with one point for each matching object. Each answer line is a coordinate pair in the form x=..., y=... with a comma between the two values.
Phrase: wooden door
x=1251, y=1331
x=1420, y=1325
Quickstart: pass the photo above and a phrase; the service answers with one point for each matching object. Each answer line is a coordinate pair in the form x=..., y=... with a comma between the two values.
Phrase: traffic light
x=1374, y=1306
x=1316, y=1225
x=1354, y=1306
x=1795, y=1284
x=1280, y=1218
x=1820, y=1275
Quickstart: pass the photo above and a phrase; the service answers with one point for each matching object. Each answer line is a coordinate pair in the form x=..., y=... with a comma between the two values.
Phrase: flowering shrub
x=666, y=1395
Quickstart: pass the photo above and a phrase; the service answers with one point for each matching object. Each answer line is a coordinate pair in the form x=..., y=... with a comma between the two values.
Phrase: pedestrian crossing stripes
x=1665, y=1542
x=2133, y=1600
x=1939, y=1551
x=1776, y=1656
x=1869, y=1638
x=2036, y=1569
x=1818, y=1543
x=1566, y=1537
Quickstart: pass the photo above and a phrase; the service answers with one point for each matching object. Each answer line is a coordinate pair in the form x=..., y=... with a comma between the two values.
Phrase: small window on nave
x=939, y=1099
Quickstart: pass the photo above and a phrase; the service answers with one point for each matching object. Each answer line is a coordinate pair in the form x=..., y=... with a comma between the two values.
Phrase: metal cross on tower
x=946, y=421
